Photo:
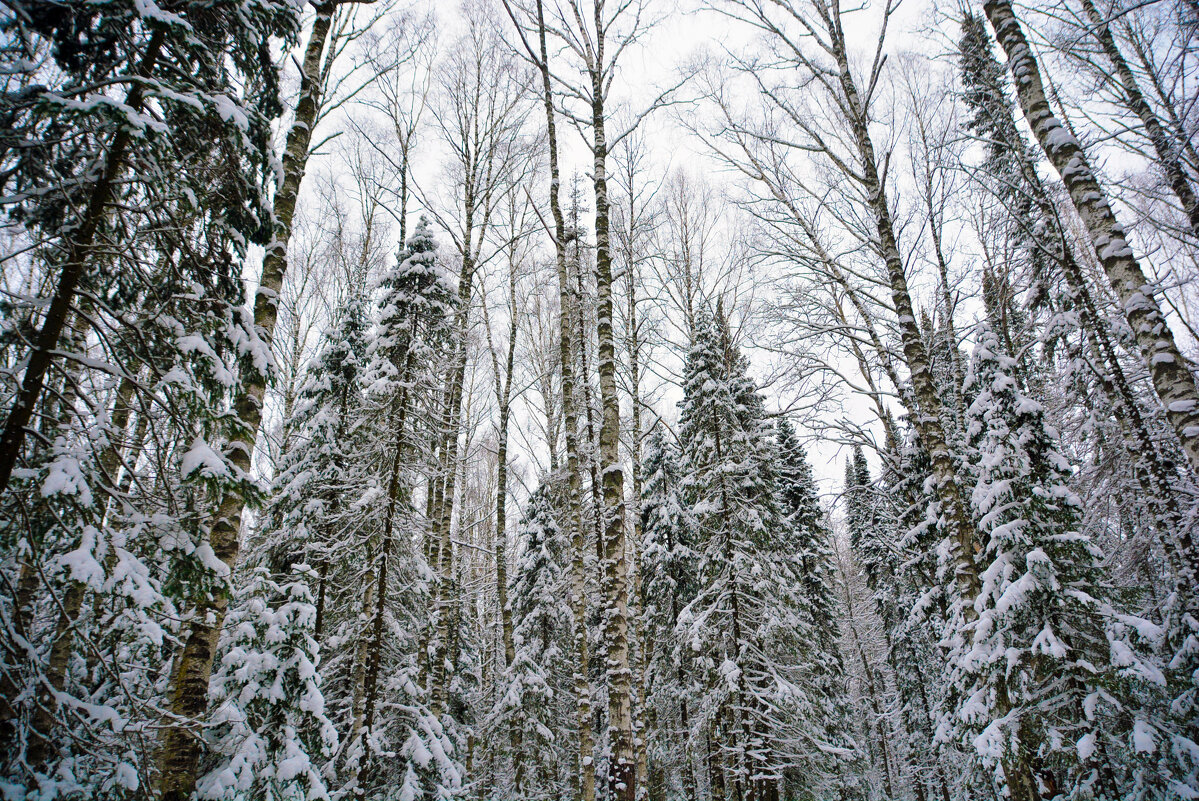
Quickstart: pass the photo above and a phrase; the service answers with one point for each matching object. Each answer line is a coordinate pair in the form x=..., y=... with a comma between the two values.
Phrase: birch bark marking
x=1172, y=379
x=622, y=779
x=503, y=396
x=570, y=415
x=451, y=419
x=179, y=755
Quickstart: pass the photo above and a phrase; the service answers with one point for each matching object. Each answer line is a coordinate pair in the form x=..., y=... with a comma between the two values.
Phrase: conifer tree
x=747, y=622
x=270, y=675
x=272, y=735
x=1098, y=355
x=534, y=695
x=414, y=309
x=1038, y=673
x=885, y=521
x=669, y=584
x=807, y=536
x=1171, y=378
x=196, y=79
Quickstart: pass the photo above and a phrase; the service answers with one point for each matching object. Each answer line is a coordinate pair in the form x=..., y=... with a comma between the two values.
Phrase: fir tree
x=804, y=527
x=1039, y=674
x=414, y=307
x=746, y=625
x=669, y=584
x=272, y=734
x=280, y=615
x=534, y=695
x=894, y=535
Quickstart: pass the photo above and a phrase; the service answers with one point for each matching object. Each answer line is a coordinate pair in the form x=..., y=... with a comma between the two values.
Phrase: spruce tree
x=270, y=676
x=272, y=736
x=534, y=694
x=126, y=105
x=670, y=582
x=413, y=310
x=807, y=535
x=908, y=594
x=1041, y=679
x=747, y=626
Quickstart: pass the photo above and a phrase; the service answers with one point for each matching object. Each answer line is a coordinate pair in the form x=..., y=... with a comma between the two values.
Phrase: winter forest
x=599, y=400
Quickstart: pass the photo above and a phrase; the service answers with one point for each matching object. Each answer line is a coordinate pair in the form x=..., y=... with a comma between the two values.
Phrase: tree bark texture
x=570, y=415
x=929, y=414
x=622, y=781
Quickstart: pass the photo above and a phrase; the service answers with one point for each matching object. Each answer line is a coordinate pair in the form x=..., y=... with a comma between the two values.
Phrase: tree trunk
x=928, y=415
x=1172, y=379
x=570, y=415
x=739, y=721
x=16, y=649
x=1156, y=471
x=451, y=420
x=501, y=545
x=1017, y=773
x=715, y=763
x=634, y=348
x=503, y=391
x=358, y=688
x=622, y=781
x=188, y=694
x=1178, y=130
x=396, y=494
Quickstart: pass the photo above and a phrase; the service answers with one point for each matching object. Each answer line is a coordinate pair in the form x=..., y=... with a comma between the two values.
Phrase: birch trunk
x=501, y=544
x=929, y=413
x=1165, y=99
x=570, y=418
x=1172, y=379
x=1156, y=472
x=503, y=394
x=634, y=347
x=622, y=781
x=591, y=454
x=448, y=472
x=179, y=755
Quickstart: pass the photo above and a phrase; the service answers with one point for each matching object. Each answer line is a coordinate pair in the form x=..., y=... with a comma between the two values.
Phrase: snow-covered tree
x=747, y=627
x=1041, y=675
x=272, y=736
x=669, y=583
x=806, y=535
x=534, y=692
